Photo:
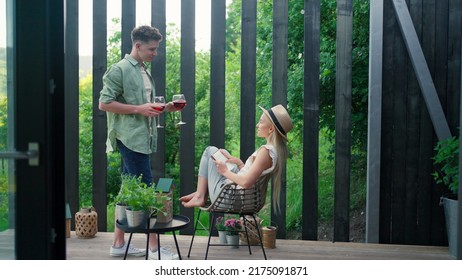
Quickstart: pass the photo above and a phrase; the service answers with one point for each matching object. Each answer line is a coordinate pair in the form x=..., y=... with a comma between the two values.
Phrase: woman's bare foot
x=196, y=201
x=188, y=197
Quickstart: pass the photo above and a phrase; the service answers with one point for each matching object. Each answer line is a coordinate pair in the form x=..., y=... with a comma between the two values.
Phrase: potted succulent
x=233, y=227
x=446, y=162
x=220, y=225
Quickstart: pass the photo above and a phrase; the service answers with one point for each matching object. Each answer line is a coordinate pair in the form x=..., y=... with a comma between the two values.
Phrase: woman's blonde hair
x=280, y=144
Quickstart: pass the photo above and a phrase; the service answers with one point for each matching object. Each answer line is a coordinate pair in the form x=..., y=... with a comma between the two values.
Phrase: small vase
x=233, y=240
x=222, y=236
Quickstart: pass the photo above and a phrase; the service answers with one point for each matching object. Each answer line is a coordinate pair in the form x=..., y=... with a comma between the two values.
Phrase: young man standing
x=127, y=93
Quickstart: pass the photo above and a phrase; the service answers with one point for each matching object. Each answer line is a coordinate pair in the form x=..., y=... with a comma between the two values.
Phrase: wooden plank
x=374, y=121
x=421, y=69
x=398, y=142
x=99, y=117
x=128, y=23
x=435, y=227
x=188, y=75
x=248, y=77
x=343, y=119
x=279, y=88
x=311, y=120
x=217, y=73
x=71, y=103
x=424, y=207
x=454, y=34
x=386, y=173
x=159, y=74
x=411, y=157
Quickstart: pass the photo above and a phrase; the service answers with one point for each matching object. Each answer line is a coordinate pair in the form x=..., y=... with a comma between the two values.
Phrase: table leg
x=128, y=245
x=176, y=244
x=158, y=246
x=147, y=246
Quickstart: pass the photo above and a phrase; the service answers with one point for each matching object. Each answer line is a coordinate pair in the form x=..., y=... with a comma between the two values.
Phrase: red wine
x=179, y=104
x=159, y=107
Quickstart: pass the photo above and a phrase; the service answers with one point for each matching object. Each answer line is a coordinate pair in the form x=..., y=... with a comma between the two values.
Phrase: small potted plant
x=141, y=201
x=220, y=225
x=121, y=200
x=233, y=227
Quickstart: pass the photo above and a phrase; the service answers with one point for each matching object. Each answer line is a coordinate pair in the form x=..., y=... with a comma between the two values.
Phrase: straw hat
x=280, y=118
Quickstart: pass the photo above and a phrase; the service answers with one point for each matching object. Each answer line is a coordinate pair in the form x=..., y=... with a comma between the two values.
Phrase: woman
x=274, y=125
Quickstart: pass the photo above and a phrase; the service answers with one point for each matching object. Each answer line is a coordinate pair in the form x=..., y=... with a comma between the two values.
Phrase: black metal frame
x=212, y=224
x=147, y=229
x=234, y=199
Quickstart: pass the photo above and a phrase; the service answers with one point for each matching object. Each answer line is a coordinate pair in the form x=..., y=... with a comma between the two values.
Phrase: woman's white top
x=273, y=154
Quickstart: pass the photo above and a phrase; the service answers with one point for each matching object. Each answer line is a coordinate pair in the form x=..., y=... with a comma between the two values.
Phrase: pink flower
x=233, y=225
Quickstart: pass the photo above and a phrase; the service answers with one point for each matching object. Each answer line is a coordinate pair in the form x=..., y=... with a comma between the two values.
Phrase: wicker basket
x=251, y=230
x=86, y=223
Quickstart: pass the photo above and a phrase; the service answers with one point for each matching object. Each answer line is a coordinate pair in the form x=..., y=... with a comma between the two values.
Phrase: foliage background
x=264, y=75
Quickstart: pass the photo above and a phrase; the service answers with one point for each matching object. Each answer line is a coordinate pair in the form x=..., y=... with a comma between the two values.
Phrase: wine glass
x=159, y=105
x=179, y=102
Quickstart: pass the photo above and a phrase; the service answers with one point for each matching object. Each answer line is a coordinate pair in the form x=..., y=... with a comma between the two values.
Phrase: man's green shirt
x=123, y=83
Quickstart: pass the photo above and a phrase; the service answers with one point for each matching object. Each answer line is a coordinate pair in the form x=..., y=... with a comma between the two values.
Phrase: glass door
x=32, y=195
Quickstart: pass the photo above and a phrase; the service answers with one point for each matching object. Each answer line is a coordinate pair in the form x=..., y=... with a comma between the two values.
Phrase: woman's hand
x=221, y=166
x=232, y=159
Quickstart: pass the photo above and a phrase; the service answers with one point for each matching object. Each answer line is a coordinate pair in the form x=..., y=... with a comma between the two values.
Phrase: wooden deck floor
x=97, y=248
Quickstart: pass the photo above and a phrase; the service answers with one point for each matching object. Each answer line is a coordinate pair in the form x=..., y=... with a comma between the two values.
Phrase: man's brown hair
x=146, y=33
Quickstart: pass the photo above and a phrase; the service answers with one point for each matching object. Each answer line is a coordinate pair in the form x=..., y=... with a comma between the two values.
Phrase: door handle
x=32, y=154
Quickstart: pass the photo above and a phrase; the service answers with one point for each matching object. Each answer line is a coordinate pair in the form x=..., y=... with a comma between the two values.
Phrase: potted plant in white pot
x=141, y=201
x=220, y=225
x=446, y=162
x=121, y=200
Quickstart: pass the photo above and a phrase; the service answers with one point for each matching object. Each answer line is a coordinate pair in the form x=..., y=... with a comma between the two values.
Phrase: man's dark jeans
x=135, y=164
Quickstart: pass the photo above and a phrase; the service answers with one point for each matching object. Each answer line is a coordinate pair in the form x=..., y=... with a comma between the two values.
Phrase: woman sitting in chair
x=274, y=125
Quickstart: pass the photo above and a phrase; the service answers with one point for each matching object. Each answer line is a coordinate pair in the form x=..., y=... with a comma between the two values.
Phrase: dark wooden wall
x=409, y=199
x=409, y=211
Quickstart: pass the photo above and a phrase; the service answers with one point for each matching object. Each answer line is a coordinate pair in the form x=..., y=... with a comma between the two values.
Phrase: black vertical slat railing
x=99, y=117
x=279, y=87
x=311, y=120
x=158, y=70
x=187, y=76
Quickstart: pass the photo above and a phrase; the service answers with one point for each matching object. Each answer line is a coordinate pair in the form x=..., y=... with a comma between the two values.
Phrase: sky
x=143, y=16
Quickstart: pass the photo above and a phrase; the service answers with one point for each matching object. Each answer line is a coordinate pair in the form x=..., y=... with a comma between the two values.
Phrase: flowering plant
x=233, y=226
x=220, y=224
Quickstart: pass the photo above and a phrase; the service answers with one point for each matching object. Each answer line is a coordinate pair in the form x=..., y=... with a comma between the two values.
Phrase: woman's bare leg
x=198, y=198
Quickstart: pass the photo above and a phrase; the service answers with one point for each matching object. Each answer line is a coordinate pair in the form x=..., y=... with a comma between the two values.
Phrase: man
x=128, y=89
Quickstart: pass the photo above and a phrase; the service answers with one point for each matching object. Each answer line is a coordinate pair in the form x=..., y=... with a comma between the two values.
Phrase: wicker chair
x=234, y=199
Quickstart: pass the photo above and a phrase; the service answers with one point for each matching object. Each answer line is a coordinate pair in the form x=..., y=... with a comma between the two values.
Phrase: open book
x=219, y=156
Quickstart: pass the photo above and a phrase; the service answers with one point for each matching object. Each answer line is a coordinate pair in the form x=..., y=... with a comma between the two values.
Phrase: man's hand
x=147, y=109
